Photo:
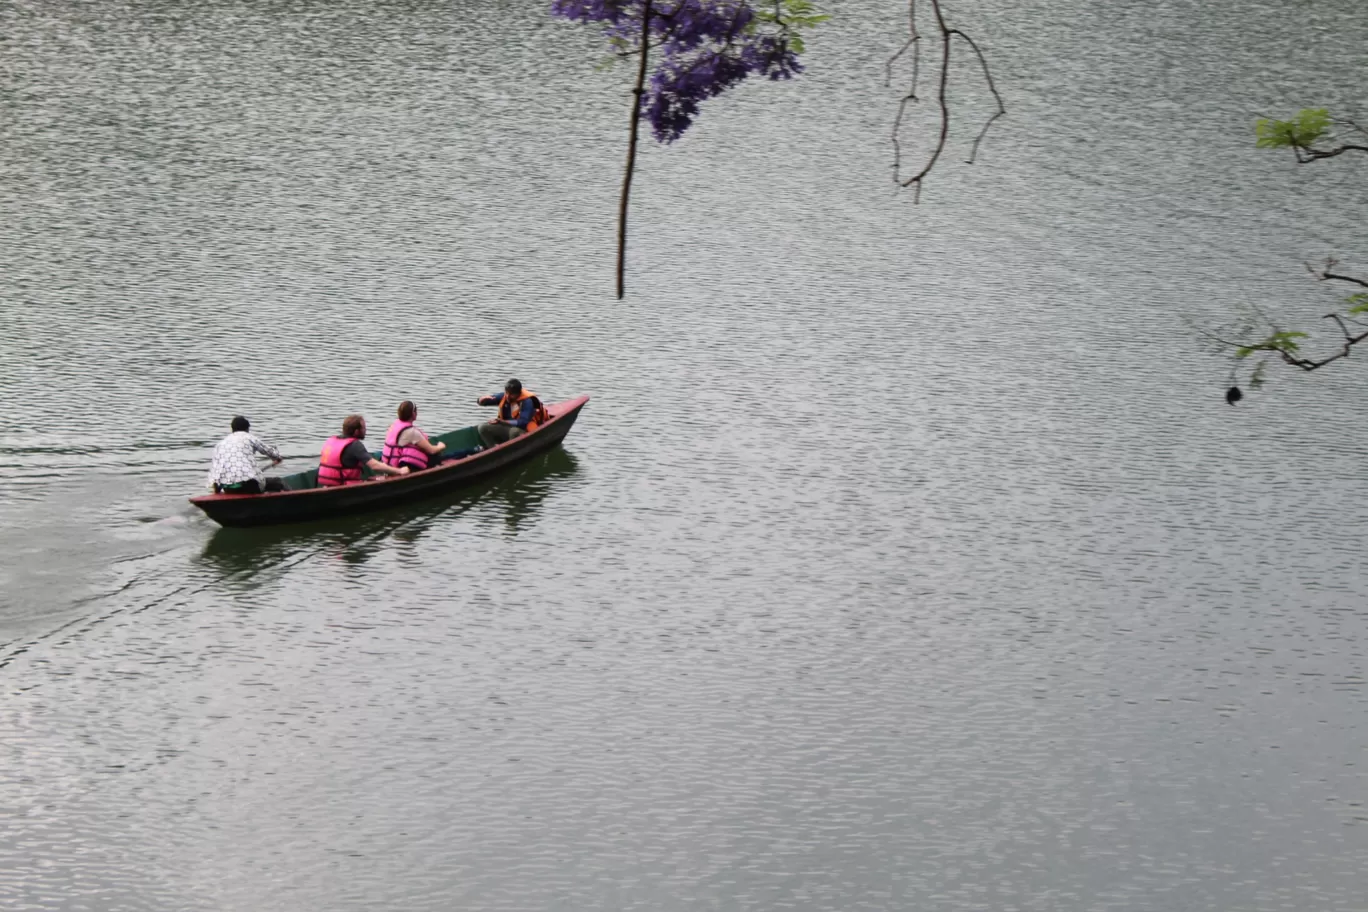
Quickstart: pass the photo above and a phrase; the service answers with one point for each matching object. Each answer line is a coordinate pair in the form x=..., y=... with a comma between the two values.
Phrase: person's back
x=344, y=457
x=336, y=465
x=233, y=467
x=407, y=445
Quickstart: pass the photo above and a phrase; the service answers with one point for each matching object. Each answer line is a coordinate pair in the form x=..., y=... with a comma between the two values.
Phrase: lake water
x=906, y=557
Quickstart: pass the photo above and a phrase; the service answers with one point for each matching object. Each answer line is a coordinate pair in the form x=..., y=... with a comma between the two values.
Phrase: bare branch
x=910, y=44
x=1306, y=154
x=1338, y=319
x=897, y=146
x=946, y=35
x=913, y=42
x=1352, y=125
x=944, y=118
x=1343, y=278
x=992, y=87
x=637, y=91
x=1324, y=274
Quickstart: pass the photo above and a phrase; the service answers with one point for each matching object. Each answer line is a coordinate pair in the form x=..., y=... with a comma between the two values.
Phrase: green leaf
x=1284, y=341
x=1309, y=125
x=1281, y=341
x=795, y=14
x=1358, y=303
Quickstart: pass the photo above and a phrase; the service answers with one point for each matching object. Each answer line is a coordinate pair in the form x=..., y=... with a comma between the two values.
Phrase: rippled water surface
x=904, y=558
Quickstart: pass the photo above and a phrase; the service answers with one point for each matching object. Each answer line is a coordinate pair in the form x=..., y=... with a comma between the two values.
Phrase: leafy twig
x=1310, y=135
x=1286, y=345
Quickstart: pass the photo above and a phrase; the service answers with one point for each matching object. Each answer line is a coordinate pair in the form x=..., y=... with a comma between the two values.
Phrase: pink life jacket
x=407, y=455
x=330, y=470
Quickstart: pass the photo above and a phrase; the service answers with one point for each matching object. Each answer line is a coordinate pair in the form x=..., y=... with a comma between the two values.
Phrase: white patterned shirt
x=235, y=459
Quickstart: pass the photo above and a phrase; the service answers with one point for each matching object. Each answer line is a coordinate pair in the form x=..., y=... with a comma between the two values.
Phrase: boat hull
x=239, y=510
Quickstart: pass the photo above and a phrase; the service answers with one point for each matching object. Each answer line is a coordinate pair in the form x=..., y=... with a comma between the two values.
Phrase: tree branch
x=1305, y=154
x=637, y=92
x=946, y=35
x=913, y=42
x=1332, y=276
x=992, y=87
x=1302, y=133
x=916, y=180
x=912, y=45
x=1309, y=364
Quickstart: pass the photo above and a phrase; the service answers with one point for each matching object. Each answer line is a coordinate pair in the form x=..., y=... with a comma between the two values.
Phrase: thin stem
x=941, y=102
x=637, y=91
x=909, y=45
x=992, y=87
x=913, y=43
x=1344, y=278
x=1305, y=155
x=1306, y=364
x=947, y=36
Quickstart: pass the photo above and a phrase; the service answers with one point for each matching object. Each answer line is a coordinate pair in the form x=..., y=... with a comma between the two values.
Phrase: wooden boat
x=304, y=500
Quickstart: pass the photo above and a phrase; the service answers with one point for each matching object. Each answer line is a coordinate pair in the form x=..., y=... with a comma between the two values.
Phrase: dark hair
x=513, y=387
x=351, y=425
x=240, y=424
x=407, y=411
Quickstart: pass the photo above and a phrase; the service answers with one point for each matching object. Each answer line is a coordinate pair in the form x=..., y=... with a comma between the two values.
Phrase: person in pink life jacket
x=344, y=456
x=407, y=445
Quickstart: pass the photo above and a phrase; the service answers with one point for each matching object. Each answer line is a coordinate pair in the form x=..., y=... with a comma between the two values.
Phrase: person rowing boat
x=233, y=467
x=306, y=498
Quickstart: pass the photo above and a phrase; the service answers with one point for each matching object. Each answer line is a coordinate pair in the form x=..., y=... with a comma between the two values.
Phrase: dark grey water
x=904, y=558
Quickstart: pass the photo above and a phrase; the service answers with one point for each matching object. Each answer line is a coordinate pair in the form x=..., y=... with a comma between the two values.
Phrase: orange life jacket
x=330, y=469
x=539, y=414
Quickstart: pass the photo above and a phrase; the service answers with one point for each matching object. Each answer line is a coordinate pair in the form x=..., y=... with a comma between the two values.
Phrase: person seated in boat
x=407, y=445
x=520, y=412
x=233, y=469
x=344, y=456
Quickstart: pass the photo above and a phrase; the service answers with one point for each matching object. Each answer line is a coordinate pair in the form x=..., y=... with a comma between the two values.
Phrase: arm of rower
x=427, y=446
x=380, y=468
x=266, y=449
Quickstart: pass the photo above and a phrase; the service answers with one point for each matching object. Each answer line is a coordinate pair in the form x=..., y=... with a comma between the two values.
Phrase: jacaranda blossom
x=701, y=48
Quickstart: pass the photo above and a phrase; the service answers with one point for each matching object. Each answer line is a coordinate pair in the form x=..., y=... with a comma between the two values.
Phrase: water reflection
x=1051, y=624
x=513, y=497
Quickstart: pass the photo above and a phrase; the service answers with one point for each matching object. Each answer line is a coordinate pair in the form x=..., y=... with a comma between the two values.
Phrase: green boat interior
x=467, y=438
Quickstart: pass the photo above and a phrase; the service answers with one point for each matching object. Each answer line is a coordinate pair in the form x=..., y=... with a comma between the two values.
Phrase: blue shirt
x=524, y=415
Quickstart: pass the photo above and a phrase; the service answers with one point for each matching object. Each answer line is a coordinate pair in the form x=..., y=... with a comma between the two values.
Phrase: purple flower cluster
x=702, y=48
